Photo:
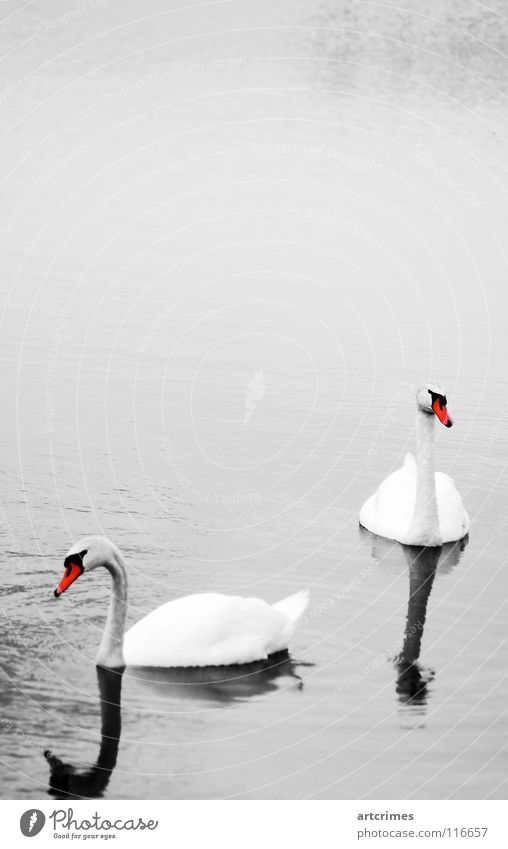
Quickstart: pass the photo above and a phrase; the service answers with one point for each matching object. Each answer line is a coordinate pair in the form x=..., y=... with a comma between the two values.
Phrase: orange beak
x=72, y=571
x=442, y=413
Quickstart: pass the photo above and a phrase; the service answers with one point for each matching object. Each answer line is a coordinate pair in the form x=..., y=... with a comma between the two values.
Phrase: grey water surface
x=235, y=236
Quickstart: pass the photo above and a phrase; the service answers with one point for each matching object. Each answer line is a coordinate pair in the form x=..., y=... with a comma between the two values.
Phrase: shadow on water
x=65, y=781
x=223, y=685
x=220, y=685
x=423, y=564
x=393, y=555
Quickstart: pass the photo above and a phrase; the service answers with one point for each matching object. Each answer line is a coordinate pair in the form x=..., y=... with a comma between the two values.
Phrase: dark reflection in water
x=64, y=779
x=413, y=679
x=423, y=563
x=220, y=685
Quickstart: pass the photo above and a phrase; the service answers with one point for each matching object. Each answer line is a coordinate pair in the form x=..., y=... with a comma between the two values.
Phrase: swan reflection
x=219, y=685
x=65, y=781
x=413, y=679
x=423, y=563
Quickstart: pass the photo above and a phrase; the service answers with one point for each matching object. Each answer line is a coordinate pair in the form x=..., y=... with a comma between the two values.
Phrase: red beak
x=72, y=571
x=442, y=413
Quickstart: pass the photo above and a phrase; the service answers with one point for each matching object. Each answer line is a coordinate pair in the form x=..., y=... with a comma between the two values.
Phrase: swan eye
x=437, y=397
x=73, y=558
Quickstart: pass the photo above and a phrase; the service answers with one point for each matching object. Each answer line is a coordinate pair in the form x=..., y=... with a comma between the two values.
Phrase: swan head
x=84, y=556
x=431, y=399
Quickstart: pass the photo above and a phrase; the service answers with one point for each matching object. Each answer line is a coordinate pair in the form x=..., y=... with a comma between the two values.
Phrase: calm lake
x=235, y=237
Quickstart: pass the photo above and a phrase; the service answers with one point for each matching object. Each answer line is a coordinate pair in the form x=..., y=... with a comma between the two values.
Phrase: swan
x=64, y=779
x=206, y=629
x=414, y=505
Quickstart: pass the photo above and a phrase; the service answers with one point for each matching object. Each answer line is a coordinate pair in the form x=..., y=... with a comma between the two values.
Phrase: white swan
x=207, y=629
x=414, y=505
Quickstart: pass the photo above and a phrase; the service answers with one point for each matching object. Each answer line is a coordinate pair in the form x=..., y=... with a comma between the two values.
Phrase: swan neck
x=422, y=569
x=425, y=523
x=110, y=686
x=110, y=654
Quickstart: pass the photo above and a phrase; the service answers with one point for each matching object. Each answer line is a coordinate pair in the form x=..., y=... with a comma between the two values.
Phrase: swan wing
x=453, y=519
x=388, y=512
x=207, y=629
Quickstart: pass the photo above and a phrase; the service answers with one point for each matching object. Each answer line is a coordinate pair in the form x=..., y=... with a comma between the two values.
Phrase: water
x=235, y=237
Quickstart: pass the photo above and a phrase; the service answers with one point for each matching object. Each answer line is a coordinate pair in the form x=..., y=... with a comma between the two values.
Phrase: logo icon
x=32, y=822
x=254, y=391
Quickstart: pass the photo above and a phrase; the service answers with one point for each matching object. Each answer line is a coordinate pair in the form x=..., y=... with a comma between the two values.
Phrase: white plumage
x=390, y=510
x=210, y=629
x=206, y=629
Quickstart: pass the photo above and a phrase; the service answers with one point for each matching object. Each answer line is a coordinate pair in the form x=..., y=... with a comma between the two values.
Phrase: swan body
x=415, y=505
x=206, y=629
x=209, y=629
x=389, y=511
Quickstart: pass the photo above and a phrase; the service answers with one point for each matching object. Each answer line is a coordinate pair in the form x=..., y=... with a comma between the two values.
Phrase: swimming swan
x=415, y=505
x=207, y=629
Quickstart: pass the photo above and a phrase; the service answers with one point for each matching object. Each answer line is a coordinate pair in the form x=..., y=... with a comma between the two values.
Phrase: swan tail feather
x=409, y=462
x=293, y=607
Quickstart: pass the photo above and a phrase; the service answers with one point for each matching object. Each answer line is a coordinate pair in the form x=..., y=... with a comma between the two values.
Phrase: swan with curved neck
x=415, y=505
x=206, y=629
x=65, y=779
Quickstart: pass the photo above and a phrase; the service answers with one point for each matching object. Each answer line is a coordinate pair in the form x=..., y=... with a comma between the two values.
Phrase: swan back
x=389, y=511
x=210, y=629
